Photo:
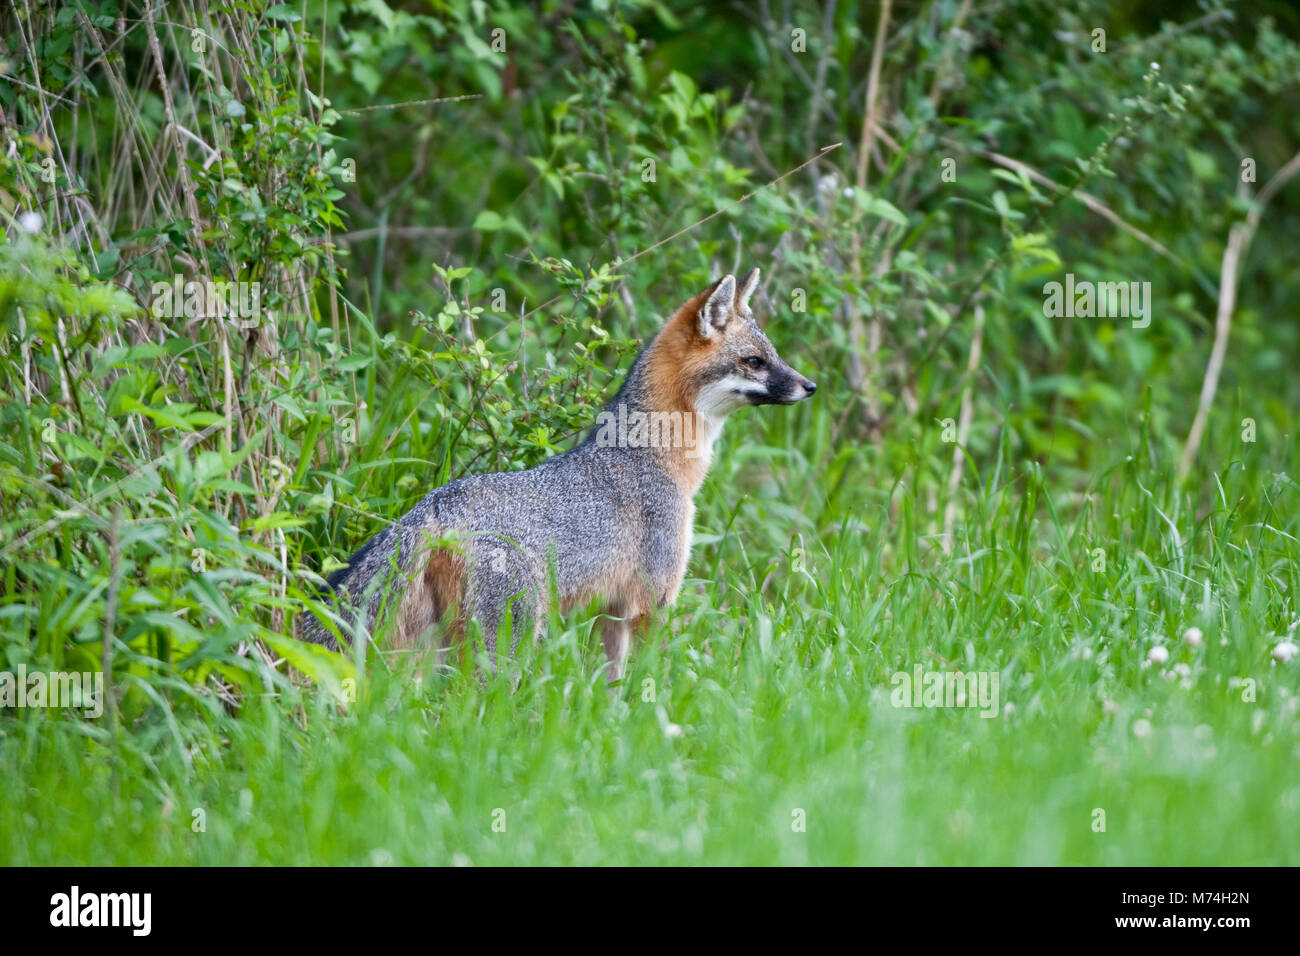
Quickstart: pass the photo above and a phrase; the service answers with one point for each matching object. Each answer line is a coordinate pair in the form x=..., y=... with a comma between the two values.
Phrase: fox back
x=609, y=519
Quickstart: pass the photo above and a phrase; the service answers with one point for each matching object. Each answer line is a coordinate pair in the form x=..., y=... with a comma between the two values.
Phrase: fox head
x=723, y=360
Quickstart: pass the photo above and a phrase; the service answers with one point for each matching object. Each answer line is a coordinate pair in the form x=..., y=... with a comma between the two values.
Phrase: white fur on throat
x=719, y=399
x=715, y=402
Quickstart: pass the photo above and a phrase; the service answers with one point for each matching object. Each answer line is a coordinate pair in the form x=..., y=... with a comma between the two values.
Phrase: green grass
x=768, y=691
x=452, y=290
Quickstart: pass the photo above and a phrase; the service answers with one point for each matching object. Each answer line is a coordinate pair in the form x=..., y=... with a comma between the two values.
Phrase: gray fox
x=611, y=516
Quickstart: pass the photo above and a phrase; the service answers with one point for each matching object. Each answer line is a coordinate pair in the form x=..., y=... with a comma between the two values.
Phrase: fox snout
x=785, y=386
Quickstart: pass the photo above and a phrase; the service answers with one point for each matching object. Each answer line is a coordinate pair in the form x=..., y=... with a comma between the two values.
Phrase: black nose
x=809, y=387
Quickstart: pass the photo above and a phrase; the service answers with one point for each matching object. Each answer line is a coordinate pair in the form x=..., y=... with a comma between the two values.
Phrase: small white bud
x=1158, y=654
x=1193, y=637
x=1284, y=652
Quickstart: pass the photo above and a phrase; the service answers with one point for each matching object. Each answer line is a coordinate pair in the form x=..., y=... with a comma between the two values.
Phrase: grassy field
x=758, y=724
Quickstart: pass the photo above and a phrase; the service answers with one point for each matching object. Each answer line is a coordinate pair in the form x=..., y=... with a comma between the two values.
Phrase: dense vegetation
x=447, y=225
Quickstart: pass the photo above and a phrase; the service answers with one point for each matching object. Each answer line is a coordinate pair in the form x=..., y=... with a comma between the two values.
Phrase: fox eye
x=755, y=362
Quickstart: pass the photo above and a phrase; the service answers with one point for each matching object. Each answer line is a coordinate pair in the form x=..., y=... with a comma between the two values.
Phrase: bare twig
x=213, y=154
x=1239, y=238
x=873, y=90
x=110, y=614
x=393, y=106
x=858, y=370
x=963, y=427
x=1090, y=202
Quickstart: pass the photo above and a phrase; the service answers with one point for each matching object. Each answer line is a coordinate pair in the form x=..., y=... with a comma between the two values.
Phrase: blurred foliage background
x=464, y=216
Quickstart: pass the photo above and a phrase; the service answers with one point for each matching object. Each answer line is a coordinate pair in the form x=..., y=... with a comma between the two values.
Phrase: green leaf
x=284, y=13
x=881, y=208
x=320, y=664
x=1003, y=207
x=276, y=519
x=354, y=363
x=488, y=221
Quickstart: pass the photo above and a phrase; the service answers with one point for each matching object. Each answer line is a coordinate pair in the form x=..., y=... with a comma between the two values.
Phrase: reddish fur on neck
x=677, y=356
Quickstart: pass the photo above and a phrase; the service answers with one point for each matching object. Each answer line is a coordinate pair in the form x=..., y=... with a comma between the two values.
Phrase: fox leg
x=615, y=634
x=504, y=581
x=489, y=611
x=627, y=616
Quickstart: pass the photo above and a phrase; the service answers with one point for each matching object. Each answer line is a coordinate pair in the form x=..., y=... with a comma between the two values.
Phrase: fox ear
x=747, y=288
x=716, y=310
